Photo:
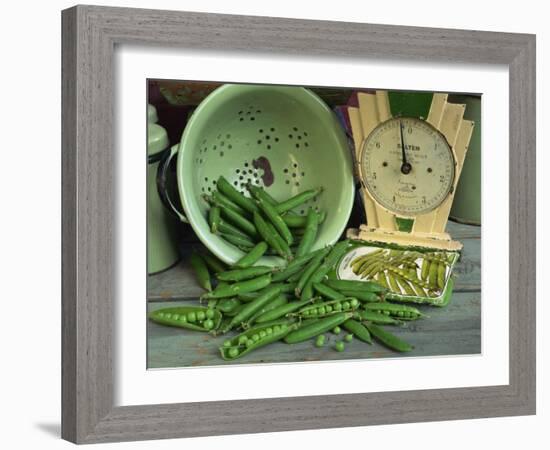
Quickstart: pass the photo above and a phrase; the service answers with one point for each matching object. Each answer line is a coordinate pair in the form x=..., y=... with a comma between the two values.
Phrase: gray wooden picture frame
x=90, y=34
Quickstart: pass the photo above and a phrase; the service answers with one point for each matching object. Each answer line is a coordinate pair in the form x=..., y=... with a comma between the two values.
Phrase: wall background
x=31, y=239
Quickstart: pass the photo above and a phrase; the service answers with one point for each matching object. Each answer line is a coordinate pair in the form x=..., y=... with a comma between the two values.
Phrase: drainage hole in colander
x=219, y=136
x=295, y=129
x=268, y=137
x=246, y=164
x=252, y=118
x=241, y=119
x=290, y=136
x=229, y=146
x=261, y=130
x=299, y=137
x=227, y=136
x=214, y=147
x=222, y=153
x=237, y=170
x=222, y=143
x=297, y=145
x=305, y=133
x=276, y=139
x=205, y=178
x=287, y=181
x=285, y=171
x=272, y=129
x=259, y=141
x=306, y=144
x=294, y=175
x=268, y=146
x=240, y=112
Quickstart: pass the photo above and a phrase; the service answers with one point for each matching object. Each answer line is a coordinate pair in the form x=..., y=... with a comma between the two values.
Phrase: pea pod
x=378, y=318
x=388, y=339
x=353, y=285
x=277, y=221
x=310, y=233
x=432, y=275
x=358, y=330
x=441, y=275
x=226, y=228
x=298, y=200
x=318, y=327
x=281, y=311
x=392, y=282
x=214, y=263
x=280, y=241
x=244, y=274
x=239, y=221
x=259, y=193
x=235, y=196
x=267, y=236
x=239, y=241
x=364, y=296
x=329, y=262
x=253, y=256
x=255, y=338
x=323, y=309
x=312, y=266
x=214, y=219
x=231, y=290
x=191, y=317
x=219, y=198
x=251, y=308
x=280, y=300
x=295, y=266
x=403, y=312
x=295, y=221
x=201, y=271
x=328, y=292
x=286, y=288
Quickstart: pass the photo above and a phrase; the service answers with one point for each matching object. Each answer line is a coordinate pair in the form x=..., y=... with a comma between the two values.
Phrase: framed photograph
x=306, y=218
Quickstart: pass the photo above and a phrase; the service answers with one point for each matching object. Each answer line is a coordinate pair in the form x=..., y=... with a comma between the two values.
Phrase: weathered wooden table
x=452, y=330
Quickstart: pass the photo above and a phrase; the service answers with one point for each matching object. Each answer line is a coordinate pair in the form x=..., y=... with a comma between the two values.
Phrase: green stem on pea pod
x=311, y=267
x=327, y=291
x=295, y=266
x=388, y=339
x=255, y=338
x=231, y=290
x=310, y=233
x=201, y=271
x=277, y=221
x=298, y=200
x=191, y=317
x=214, y=218
x=244, y=274
x=214, y=263
x=235, y=196
x=295, y=221
x=219, y=198
x=280, y=300
x=358, y=329
x=281, y=311
x=253, y=256
x=254, y=306
x=238, y=241
x=318, y=327
x=329, y=262
x=267, y=235
x=377, y=318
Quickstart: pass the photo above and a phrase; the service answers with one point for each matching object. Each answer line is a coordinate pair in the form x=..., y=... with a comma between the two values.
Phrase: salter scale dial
x=410, y=149
x=407, y=166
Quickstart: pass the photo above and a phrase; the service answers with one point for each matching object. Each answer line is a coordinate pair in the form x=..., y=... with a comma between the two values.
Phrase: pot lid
x=157, y=139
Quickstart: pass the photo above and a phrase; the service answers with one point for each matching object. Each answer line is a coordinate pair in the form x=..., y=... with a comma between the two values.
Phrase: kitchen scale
x=409, y=152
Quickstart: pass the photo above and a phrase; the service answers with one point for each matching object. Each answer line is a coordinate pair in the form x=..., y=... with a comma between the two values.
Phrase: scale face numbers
x=407, y=166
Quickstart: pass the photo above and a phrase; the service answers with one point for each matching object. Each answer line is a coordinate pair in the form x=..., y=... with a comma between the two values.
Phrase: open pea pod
x=191, y=317
x=255, y=338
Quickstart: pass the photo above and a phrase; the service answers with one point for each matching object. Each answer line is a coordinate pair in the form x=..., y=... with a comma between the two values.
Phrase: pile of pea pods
x=257, y=305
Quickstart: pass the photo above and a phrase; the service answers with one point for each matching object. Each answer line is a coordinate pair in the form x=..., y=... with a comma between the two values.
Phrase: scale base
x=440, y=241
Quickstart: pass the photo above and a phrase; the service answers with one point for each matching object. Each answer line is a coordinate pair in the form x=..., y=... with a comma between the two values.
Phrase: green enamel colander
x=284, y=139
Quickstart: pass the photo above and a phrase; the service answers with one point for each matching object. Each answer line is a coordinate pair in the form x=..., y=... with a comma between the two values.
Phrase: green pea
x=208, y=324
x=201, y=315
x=320, y=341
x=328, y=309
x=255, y=337
x=337, y=307
x=336, y=330
x=262, y=334
x=175, y=316
x=340, y=346
x=233, y=352
x=160, y=314
x=346, y=305
x=183, y=318
x=306, y=313
x=269, y=331
x=168, y=315
x=321, y=310
x=249, y=343
x=400, y=314
x=276, y=329
x=191, y=316
x=354, y=302
x=227, y=343
x=348, y=337
x=242, y=340
x=210, y=313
